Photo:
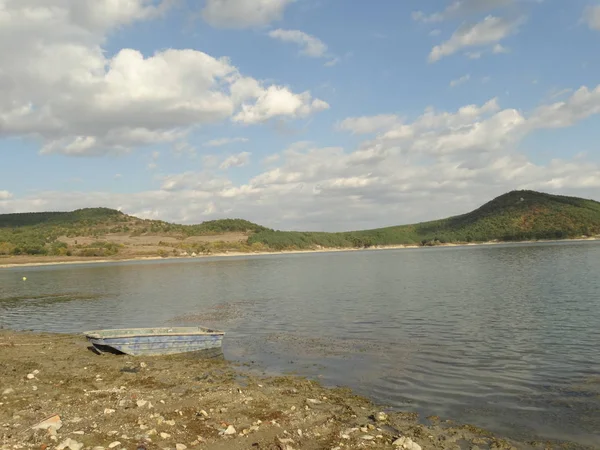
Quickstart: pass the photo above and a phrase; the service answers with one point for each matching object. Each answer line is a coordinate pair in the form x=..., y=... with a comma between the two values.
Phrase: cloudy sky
x=297, y=114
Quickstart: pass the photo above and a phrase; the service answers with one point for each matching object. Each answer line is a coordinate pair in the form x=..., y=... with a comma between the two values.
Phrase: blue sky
x=320, y=114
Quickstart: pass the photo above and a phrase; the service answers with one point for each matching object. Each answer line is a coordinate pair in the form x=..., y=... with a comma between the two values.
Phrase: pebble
x=8, y=391
x=170, y=422
x=70, y=444
x=165, y=435
x=114, y=444
x=98, y=448
x=367, y=437
x=79, y=432
x=34, y=388
x=143, y=365
x=314, y=401
x=109, y=411
x=141, y=403
x=230, y=430
x=36, y=372
x=381, y=417
x=204, y=413
x=180, y=446
x=406, y=443
x=30, y=376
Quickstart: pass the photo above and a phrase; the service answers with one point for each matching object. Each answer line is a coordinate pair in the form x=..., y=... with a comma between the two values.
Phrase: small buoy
x=24, y=278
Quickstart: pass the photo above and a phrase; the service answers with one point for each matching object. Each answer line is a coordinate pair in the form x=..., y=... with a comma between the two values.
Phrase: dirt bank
x=177, y=402
x=29, y=260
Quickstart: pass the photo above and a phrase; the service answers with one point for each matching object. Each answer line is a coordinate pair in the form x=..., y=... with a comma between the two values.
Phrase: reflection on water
x=503, y=337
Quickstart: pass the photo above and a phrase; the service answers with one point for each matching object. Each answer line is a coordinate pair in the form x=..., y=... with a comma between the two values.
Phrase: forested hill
x=515, y=216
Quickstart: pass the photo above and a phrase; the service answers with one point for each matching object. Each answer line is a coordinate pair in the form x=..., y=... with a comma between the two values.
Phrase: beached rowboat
x=155, y=341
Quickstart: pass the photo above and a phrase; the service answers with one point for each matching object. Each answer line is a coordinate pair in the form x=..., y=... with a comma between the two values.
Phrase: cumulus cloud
x=487, y=32
x=224, y=141
x=309, y=45
x=367, y=124
x=460, y=80
x=437, y=164
x=5, y=195
x=58, y=86
x=460, y=8
x=239, y=160
x=279, y=101
x=243, y=13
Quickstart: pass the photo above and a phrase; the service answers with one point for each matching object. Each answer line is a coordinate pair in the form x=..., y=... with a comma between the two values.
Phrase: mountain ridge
x=515, y=216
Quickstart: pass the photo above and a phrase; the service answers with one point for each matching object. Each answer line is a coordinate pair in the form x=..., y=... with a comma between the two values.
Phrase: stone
x=141, y=403
x=114, y=444
x=98, y=448
x=381, y=417
x=230, y=430
x=70, y=444
x=143, y=365
x=109, y=411
x=180, y=446
x=367, y=437
x=30, y=376
x=165, y=435
x=8, y=391
x=54, y=422
x=79, y=432
x=36, y=372
x=406, y=443
x=203, y=413
x=314, y=401
x=171, y=423
x=34, y=388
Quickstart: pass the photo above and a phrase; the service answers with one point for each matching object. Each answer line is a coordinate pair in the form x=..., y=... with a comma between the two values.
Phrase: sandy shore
x=182, y=401
x=32, y=261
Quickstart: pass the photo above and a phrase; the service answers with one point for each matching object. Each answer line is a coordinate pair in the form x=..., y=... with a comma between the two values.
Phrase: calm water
x=503, y=337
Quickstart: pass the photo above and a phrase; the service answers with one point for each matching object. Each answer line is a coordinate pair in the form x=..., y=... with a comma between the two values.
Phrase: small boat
x=155, y=341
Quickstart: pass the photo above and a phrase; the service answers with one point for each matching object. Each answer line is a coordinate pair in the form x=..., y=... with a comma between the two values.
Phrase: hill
x=515, y=216
x=101, y=232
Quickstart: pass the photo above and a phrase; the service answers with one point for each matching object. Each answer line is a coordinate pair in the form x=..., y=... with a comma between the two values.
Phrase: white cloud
x=460, y=80
x=224, y=141
x=437, y=164
x=592, y=17
x=5, y=195
x=333, y=61
x=489, y=31
x=309, y=45
x=460, y=8
x=499, y=49
x=58, y=86
x=367, y=124
x=239, y=160
x=243, y=13
x=279, y=101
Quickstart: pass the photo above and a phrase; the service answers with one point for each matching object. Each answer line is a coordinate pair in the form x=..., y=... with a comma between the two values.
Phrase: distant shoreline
x=62, y=261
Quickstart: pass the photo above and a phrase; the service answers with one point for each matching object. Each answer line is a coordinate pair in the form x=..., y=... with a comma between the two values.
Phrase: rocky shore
x=55, y=393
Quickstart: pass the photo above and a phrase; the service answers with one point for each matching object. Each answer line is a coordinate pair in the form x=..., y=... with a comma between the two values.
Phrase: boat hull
x=146, y=343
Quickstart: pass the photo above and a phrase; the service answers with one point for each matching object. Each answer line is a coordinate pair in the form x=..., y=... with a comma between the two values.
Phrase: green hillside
x=516, y=216
x=38, y=233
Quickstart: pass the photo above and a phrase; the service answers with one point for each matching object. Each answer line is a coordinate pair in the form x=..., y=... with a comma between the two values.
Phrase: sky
x=296, y=114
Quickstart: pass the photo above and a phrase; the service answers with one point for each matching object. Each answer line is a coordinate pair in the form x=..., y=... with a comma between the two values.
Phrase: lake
x=505, y=337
